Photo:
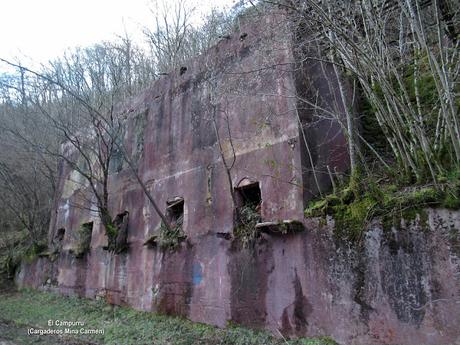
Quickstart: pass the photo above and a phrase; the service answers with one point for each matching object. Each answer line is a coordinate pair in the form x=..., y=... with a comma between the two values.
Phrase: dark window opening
x=118, y=240
x=249, y=196
x=58, y=239
x=88, y=226
x=175, y=212
x=60, y=233
x=120, y=218
x=170, y=237
x=249, y=202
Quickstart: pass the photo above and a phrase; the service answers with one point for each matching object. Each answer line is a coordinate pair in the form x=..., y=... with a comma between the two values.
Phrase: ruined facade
x=244, y=97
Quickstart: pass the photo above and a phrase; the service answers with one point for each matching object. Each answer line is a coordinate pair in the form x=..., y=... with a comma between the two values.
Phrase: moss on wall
x=354, y=207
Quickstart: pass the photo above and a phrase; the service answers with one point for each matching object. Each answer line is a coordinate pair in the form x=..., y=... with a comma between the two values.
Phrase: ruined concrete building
x=294, y=277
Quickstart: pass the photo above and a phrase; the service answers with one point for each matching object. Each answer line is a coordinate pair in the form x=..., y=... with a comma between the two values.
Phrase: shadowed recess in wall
x=249, y=270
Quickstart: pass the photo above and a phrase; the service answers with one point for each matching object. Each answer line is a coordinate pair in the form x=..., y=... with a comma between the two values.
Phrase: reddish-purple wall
x=395, y=287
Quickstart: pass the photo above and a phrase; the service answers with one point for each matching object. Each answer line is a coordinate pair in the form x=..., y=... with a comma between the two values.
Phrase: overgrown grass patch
x=126, y=326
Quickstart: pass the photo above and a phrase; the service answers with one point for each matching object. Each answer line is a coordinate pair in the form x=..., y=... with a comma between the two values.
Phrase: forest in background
x=400, y=58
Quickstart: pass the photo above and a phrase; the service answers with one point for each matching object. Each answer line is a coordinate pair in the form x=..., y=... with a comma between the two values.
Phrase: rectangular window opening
x=58, y=240
x=175, y=212
x=119, y=242
x=249, y=202
x=60, y=233
x=249, y=196
x=121, y=218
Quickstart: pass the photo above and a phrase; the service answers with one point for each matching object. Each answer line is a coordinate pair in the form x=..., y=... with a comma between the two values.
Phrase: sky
x=35, y=31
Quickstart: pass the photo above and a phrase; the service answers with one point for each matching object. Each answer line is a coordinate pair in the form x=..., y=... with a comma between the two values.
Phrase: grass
x=126, y=326
x=18, y=335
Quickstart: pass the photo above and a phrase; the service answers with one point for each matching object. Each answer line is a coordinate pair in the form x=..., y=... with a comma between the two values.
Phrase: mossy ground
x=126, y=326
x=354, y=206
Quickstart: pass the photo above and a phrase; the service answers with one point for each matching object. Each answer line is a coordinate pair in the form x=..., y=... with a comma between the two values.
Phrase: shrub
x=247, y=218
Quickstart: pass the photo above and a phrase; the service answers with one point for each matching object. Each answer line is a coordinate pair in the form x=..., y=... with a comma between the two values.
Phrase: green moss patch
x=352, y=210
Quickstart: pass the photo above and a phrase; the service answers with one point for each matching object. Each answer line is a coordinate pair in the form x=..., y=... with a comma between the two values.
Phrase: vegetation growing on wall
x=82, y=239
x=170, y=239
x=404, y=67
x=353, y=209
x=117, y=233
x=14, y=248
x=246, y=220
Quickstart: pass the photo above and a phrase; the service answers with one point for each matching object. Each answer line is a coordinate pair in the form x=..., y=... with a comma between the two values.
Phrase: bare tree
x=174, y=38
x=405, y=63
x=27, y=177
x=67, y=110
x=77, y=96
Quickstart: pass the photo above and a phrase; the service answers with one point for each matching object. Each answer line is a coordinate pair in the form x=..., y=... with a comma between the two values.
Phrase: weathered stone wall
x=397, y=287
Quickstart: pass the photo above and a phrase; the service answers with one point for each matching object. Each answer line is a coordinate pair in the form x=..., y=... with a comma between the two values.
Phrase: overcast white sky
x=43, y=29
